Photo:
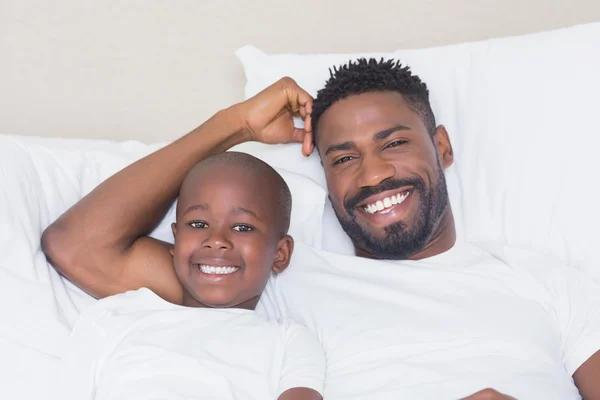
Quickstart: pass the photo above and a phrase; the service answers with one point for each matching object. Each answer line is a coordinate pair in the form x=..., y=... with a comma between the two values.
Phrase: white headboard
x=154, y=69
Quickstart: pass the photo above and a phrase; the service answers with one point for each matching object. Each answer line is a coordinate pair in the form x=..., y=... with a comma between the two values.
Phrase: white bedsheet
x=38, y=307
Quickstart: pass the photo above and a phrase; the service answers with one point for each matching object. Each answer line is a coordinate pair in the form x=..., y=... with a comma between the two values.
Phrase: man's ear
x=285, y=248
x=174, y=230
x=443, y=146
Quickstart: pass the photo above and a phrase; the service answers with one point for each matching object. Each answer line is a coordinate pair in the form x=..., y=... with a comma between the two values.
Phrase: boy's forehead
x=233, y=184
x=218, y=177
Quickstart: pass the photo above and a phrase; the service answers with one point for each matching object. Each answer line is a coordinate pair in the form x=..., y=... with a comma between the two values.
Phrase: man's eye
x=343, y=160
x=243, y=228
x=396, y=143
x=198, y=224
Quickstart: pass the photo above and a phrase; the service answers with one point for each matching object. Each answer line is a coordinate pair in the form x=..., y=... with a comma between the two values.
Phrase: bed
x=522, y=116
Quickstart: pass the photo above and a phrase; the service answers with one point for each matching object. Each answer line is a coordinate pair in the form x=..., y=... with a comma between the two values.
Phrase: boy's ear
x=285, y=248
x=174, y=229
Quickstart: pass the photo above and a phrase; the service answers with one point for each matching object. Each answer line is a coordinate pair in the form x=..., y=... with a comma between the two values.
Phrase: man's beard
x=400, y=242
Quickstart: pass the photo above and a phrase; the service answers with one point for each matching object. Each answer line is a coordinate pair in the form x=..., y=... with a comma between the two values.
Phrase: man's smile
x=383, y=203
x=387, y=208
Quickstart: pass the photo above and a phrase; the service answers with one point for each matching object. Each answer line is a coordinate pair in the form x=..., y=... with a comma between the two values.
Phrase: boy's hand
x=268, y=115
x=489, y=394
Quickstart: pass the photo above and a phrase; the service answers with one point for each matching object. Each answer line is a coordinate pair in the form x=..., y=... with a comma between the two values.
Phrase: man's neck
x=442, y=239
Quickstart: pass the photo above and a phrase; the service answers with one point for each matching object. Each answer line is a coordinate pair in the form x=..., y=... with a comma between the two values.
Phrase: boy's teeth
x=388, y=202
x=210, y=269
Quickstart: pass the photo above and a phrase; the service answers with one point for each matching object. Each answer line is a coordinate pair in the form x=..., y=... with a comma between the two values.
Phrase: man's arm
x=587, y=378
x=101, y=243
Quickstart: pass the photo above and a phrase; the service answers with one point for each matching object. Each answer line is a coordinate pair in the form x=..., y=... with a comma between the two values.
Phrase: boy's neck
x=189, y=301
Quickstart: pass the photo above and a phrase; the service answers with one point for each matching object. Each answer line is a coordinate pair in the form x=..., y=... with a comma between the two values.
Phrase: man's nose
x=373, y=170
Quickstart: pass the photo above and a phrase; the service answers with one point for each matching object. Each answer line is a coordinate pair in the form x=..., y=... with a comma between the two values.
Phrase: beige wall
x=152, y=70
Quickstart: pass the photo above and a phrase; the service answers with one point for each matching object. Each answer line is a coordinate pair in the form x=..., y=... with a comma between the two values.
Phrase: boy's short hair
x=247, y=162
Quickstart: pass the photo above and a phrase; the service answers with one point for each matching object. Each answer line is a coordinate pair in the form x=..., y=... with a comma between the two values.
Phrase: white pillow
x=521, y=113
x=41, y=178
x=308, y=203
x=444, y=68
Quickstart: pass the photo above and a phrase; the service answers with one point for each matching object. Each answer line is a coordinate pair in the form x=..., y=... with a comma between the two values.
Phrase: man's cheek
x=341, y=210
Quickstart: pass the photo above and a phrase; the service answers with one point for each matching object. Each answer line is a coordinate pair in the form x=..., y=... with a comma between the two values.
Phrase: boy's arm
x=300, y=394
x=101, y=243
x=303, y=373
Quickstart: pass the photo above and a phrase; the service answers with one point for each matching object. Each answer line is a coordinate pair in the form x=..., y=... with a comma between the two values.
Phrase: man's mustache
x=389, y=184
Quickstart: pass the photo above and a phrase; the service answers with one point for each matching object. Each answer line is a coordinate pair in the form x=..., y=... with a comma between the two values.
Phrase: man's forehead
x=363, y=108
x=364, y=116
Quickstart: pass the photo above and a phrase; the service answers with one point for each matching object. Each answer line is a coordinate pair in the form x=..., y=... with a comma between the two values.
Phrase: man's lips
x=384, y=202
x=371, y=215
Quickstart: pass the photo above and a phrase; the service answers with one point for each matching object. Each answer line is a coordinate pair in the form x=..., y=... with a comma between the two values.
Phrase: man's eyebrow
x=384, y=134
x=195, y=207
x=340, y=146
x=378, y=136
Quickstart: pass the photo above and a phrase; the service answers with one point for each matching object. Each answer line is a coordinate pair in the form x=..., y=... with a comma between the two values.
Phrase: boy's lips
x=217, y=269
x=216, y=266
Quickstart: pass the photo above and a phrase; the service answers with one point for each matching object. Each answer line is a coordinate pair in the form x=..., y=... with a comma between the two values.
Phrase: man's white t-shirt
x=444, y=327
x=137, y=346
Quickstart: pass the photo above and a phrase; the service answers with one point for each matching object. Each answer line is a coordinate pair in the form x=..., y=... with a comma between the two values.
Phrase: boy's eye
x=243, y=228
x=342, y=160
x=198, y=224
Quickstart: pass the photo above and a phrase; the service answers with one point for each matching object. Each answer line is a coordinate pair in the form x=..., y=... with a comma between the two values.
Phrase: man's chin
x=391, y=242
x=382, y=232
x=373, y=232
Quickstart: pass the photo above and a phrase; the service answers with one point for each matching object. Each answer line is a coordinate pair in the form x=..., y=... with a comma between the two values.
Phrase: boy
x=233, y=214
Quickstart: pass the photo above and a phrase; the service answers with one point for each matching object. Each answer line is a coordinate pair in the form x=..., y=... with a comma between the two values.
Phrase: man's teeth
x=386, y=203
x=210, y=269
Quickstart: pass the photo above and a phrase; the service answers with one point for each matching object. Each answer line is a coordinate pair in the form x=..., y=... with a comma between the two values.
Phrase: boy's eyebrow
x=237, y=209
x=195, y=207
x=234, y=209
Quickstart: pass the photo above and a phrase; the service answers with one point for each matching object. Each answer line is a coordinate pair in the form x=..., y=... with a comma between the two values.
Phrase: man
x=443, y=320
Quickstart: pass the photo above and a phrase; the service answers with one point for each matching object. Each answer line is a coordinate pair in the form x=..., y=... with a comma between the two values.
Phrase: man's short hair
x=365, y=76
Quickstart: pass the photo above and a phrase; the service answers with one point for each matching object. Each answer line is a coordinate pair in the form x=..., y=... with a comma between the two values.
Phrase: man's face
x=384, y=174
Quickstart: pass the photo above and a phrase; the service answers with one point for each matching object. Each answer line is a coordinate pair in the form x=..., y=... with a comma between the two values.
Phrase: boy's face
x=227, y=240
